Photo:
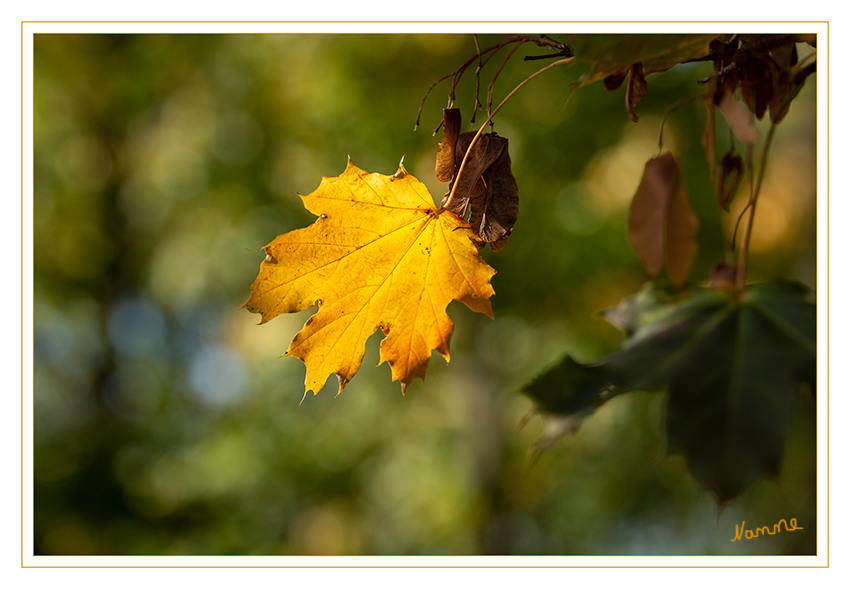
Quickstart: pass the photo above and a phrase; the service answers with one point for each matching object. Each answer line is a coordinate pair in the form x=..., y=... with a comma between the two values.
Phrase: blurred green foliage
x=165, y=423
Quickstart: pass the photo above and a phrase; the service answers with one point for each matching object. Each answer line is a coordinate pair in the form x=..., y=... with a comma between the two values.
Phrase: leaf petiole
x=670, y=110
x=741, y=277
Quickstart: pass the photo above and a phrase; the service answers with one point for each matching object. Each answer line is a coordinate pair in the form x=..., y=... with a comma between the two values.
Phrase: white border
x=30, y=28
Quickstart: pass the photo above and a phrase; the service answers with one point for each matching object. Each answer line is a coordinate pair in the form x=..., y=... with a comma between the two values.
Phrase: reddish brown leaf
x=785, y=56
x=756, y=86
x=648, y=213
x=682, y=226
x=662, y=224
x=789, y=85
x=494, y=213
x=636, y=90
x=470, y=185
x=731, y=168
x=615, y=80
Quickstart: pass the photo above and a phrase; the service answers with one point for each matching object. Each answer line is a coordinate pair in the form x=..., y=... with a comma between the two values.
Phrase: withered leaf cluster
x=765, y=69
x=636, y=90
x=486, y=189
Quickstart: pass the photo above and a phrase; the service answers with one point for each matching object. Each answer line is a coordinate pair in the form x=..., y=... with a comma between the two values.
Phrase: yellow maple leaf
x=381, y=255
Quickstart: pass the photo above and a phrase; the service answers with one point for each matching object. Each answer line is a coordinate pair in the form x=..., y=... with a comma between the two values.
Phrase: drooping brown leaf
x=470, y=184
x=731, y=168
x=486, y=189
x=682, y=226
x=662, y=223
x=738, y=117
x=494, y=213
x=766, y=68
x=636, y=90
x=791, y=84
x=615, y=80
x=446, y=156
x=778, y=55
x=756, y=85
x=648, y=213
x=785, y=55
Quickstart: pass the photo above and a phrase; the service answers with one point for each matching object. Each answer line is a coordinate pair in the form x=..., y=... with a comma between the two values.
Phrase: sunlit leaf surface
x=380, y=256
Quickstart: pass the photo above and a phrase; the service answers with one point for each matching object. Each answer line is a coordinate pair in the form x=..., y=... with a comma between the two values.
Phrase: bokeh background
x=165, y=421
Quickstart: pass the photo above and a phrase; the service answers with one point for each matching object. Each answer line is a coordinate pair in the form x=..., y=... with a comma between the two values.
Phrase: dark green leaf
x=608, y=55
x=731, y=366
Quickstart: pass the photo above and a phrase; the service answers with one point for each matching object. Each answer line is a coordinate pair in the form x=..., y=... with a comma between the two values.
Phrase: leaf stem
x=540, y=41
x=501, y=104
x=477, y=104
x=741, y=276
x=670, y=110
x=493, y=82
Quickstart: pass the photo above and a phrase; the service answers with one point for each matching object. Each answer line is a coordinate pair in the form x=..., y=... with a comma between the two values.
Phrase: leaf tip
x=350, y=165
x=343, y=381
x=401, y=173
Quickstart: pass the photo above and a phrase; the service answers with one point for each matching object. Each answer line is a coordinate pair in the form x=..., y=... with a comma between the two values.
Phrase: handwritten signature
x=764, y=530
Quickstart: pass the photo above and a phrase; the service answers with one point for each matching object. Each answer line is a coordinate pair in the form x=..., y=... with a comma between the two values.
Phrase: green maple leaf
x=731, y=365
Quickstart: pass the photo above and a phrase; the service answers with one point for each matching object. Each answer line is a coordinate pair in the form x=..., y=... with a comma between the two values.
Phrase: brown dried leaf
x=636, y=90
x=494, y=213
x=445, y=168
x=662, y=224
x=615, y=80
x=738, y=117
x=470, y=185
x=731, y=168
x=785, y=56
x=682, y=226
x=791, y=82
x=648, y=213
x=756, y=86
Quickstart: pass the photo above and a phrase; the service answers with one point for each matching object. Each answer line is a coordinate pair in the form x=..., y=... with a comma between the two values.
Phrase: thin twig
x=493, y=82
x=541, y=41
x=670, y=110
x=741, y=277
x=477, y=104
x=460, y=71
x=738, y=223
x=421, y=104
